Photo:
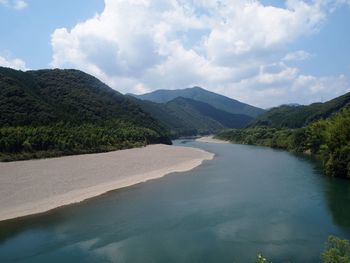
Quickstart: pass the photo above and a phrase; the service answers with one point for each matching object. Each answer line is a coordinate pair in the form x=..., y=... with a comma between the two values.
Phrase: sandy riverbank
x=210, y=139
x=35, y=186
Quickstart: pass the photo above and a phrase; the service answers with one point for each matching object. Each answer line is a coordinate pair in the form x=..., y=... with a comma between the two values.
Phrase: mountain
x=38, y=105
x=286, y=116
x=46, y=96
x=226, y=119
x=196, y=93
x=186, y=117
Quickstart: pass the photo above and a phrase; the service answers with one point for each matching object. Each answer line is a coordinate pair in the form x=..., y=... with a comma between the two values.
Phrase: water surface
x=247, y=200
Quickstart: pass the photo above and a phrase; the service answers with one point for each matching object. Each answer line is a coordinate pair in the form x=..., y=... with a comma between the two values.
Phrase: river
x=248, y=200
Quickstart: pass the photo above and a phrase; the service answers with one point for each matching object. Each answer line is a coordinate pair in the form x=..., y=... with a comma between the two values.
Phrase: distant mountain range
x=196, y=93
x=185, y=117
x=195, y=110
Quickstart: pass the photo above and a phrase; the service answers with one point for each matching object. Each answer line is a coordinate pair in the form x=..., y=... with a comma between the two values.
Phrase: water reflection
x=337, y=195
x=11, y=228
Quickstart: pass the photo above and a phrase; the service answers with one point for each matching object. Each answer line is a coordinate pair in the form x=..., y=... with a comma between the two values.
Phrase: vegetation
x=186, y=117
x=300, y=116
x=58, y=112
x=329, y=139
x=25, y=142
x=337, y=251
x=215, y=100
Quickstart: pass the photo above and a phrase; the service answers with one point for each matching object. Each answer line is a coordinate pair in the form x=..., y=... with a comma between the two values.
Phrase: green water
x=247, y=200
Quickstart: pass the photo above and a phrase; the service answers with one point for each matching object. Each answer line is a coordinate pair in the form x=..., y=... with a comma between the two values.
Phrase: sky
x=265, y=53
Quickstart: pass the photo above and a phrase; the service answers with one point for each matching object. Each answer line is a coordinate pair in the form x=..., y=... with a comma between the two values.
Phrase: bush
x=337, y=251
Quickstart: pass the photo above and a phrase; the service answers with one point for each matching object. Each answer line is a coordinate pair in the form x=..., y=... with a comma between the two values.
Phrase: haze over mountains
x=199, y=94
x=193, y=111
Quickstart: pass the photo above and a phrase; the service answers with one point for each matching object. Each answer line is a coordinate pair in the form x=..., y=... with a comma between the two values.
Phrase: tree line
x=26, y=142
x=328, y=139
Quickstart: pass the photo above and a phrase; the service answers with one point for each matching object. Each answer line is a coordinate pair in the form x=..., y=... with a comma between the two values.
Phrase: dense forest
x=288, y=116
x=329, y=139
x=188, y=117
x=59, y=112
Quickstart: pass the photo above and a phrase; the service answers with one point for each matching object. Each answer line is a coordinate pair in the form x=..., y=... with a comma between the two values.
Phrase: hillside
x=215, y=100
x=328, y=139
x=44, y=110
x=299, y=116
x=189, y=117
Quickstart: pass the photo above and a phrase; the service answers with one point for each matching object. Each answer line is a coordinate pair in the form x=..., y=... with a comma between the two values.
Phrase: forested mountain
x=47, y=96
x=226, y=119
x=196, y=93
x=299, y=116
x=68, y=111
x=189, y=117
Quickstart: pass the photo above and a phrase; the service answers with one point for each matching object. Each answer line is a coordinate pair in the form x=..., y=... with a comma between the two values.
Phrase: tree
x=337, y=251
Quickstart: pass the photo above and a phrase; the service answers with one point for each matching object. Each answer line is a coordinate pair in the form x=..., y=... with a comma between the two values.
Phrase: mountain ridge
x=48, y=113
x=185, y=117
x=286, y=116
x=196, y=93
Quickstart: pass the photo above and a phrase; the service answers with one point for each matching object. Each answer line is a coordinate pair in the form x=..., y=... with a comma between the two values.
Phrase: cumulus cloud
x=231, y=47
x=287, y=86
x=16, y=63
x=16, y=4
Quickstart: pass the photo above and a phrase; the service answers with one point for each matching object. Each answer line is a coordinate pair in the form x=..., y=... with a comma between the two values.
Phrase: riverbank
x=36, y=186
x=210, y=139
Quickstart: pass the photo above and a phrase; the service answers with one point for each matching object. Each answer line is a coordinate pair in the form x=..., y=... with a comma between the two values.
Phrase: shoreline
x=210, y=139
x=37, y=186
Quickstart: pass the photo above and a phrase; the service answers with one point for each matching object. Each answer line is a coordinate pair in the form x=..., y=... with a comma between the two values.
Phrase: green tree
x=337, y=251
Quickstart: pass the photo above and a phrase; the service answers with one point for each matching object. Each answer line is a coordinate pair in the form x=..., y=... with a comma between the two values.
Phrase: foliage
x=329, y=139
x=286, y=116
x=25, y=142
x=337, y=251
x=186, y=117
x=55, y=112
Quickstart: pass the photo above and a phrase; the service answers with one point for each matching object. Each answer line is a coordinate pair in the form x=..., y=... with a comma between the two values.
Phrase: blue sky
x=26, y=32
x=261, y=52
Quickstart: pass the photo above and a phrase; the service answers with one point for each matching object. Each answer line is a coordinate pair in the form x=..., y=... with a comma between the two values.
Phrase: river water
x=248, y=200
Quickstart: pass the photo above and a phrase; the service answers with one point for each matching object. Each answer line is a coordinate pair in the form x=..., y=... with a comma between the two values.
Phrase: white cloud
x=297, y=56
x=16, y=4
x=286, y=85
x=16, y=63
x=235, y=48
x=20, y=4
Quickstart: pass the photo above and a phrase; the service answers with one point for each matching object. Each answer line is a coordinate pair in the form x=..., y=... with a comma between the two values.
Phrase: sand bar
x=210, y=139
x=35, y=186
